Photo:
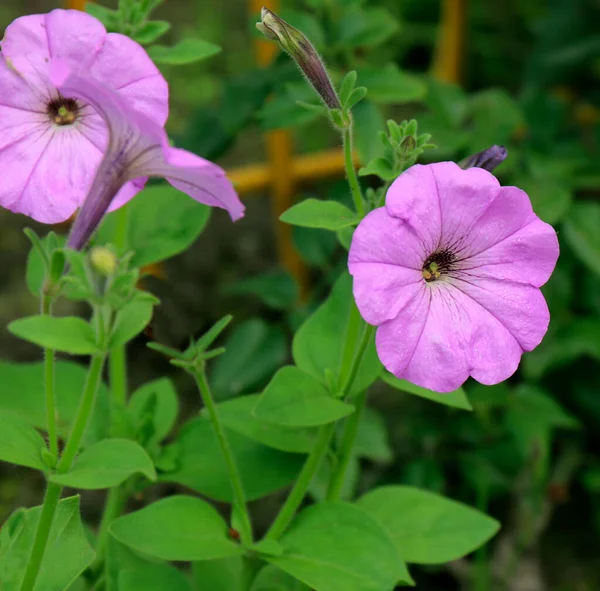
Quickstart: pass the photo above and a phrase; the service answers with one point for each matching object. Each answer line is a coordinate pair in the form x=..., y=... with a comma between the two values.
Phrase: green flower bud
x=103, y=261
x=302, y=52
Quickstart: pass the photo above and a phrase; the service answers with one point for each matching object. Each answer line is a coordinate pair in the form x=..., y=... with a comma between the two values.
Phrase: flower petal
x=382, y=238
x=74, y=36
x=397, y=339
x=529, y=255
x=460, y=338
x=413, y=198
x=464, y=195
x=520, y=307
x=18, y=93
x=124, y=65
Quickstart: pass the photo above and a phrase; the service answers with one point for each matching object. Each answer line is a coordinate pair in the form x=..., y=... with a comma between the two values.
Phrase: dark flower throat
x=437, y=264
x=63, y=111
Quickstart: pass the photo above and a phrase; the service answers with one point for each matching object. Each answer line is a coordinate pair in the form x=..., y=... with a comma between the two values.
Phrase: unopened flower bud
x=103, y=261
x=488, y=159
x=302, y=52
x=408, y=144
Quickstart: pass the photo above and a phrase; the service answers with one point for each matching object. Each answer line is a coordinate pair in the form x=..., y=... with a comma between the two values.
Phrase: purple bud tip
x=487, y=159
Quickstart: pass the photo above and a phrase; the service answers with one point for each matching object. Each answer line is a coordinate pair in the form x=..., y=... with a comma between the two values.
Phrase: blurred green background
x=529, y=452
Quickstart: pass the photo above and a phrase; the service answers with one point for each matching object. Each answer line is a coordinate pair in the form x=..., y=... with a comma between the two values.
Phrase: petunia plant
x=440, y=282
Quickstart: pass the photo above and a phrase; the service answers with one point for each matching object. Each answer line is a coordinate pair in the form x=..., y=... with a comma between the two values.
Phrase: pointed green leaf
x=66, y=539
x=131, y=320
x=20, y=443
x=339, y=547
x=151, y=31
x=294, y=398
x=187, y=51
x=106, y=464
x=176, y=528
x=428, y=528
x=318, y=344
x=581, y=233
x=153, y=577
x=68, y=334
x=236, y=414
x=456, y=399
x=314, y=213
x=222, y=574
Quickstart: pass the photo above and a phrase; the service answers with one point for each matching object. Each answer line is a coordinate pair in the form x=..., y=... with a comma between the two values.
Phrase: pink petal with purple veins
x=460, y=338
x=413, y=198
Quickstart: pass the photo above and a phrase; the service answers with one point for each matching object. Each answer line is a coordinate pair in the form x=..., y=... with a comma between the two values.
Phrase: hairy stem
x=232, y=469
x=49, y=381
x=351, y=172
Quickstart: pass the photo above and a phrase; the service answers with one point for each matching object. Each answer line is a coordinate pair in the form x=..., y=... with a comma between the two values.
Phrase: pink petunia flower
x=450, y=270
x=137, y=148
x=51, y=143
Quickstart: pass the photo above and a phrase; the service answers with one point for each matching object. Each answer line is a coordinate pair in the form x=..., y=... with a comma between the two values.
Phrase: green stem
x=287, y=512
x=42, y=533
x=46, y=308
x=338, y=476
x=117, y=368
x=84, y=411
x=351, y=429
x=113, y=506
x=351, y=173
x=53, y=491
x=234, y=475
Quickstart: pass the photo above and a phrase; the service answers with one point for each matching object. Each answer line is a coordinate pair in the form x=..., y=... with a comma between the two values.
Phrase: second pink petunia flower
x=50, y=143
x=450, y=271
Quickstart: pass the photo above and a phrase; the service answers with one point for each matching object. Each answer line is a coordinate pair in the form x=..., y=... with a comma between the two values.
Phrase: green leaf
x=390, y=85
x=156, y=401
x=315, y=246
x=36, y=266
x=293, y=398
x=314, y=213
x=23, y=397
x=448, y=102
x=20, y=443
x=68, y=334
x=263, y=470
x=347, y=86
x=318, y=344
x=581, y=233
x=277, y=289
x=106, y=464
x=253, y=351
x=282, y=110
x=368, y=122
x=222, y=574
x=380, y=167
x=339, y=547
x=360, y=27
x=151, y=31
x=271, y=578
x=428, y=528
x=187, y=51
x=456, y=399
x=236, y=414
x=153, y=235
x=109, y=18
x=153, y=577
x=176, y=528
x=131, y=320
x=66, y=539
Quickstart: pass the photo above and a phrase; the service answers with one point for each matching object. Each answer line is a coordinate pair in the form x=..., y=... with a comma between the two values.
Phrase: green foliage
x=70, y=334
x=263, y=469
x=106, y=464
x=187, y=51
x=317, y=348
x=131, y=319
x=66, y=539
x=176, y=528
x=456, y=399
x=20, y=443
x=313, y=213
x=427, y=528
x=277, y=290
x=581, y=233
x=294, y=398
x=338, y=547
